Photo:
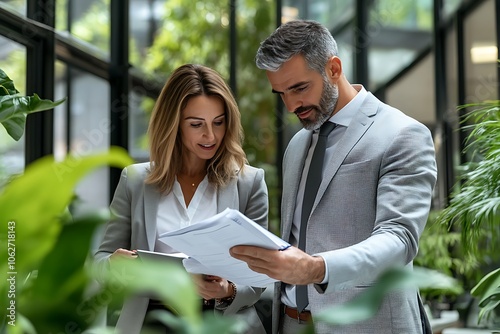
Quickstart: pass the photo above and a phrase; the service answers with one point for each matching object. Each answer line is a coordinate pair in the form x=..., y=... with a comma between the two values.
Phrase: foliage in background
x=207, y=42
x=440, y=249
x=408, y=14
x=488, y=293
x=14, y=107
x=474, y=208
x=40, y=236
x=48, y=250
x=365, y=305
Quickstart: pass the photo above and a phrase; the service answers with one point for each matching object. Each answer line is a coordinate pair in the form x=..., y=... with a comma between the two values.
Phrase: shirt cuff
x=325, y=279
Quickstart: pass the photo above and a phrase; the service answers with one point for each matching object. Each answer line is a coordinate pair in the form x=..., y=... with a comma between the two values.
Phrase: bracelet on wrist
x=226, y=301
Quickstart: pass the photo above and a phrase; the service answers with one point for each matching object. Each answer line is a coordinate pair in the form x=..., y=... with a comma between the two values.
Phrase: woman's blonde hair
x=166, y=147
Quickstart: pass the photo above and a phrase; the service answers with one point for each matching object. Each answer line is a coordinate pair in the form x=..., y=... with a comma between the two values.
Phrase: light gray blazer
x=135, y=207
x=370, y=211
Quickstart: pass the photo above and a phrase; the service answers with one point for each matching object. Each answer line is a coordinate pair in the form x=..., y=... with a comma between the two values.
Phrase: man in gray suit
x=376, y=184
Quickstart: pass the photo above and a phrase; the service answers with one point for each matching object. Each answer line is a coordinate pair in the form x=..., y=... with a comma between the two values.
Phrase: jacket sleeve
x=118, y=230
x=407, y=176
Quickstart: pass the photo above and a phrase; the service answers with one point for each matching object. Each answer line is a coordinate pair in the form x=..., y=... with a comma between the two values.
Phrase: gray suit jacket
x=135, y=207
x=369, y=213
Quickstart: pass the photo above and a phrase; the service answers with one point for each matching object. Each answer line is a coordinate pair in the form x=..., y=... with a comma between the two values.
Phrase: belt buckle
x=300, y=321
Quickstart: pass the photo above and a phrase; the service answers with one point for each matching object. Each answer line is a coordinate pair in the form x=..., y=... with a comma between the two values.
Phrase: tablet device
x=156, y=256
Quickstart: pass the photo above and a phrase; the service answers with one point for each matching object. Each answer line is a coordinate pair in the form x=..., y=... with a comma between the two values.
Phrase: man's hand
x=291, y=266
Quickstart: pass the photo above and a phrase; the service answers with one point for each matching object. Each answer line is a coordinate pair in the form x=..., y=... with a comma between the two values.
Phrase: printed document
x=207, y=244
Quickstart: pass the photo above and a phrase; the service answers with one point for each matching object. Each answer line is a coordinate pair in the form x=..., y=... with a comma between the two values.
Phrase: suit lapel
x=227, y=197
x=296, y=158
x=295, y=166
x=360, y=123
x=151, y=200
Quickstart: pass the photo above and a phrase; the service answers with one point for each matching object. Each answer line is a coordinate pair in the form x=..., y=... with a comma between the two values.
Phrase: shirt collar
x=344, y=116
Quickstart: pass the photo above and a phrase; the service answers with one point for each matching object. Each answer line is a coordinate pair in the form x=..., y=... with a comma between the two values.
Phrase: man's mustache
x=302, y=109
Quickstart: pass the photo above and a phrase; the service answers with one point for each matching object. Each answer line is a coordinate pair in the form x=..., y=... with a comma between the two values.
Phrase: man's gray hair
x=309, y=38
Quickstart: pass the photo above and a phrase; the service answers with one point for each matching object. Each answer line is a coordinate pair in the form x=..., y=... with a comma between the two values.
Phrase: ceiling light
x=484, y=53
x=289, y=14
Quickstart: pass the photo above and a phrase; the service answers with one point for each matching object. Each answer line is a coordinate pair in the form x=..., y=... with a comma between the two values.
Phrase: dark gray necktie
x=313, y=181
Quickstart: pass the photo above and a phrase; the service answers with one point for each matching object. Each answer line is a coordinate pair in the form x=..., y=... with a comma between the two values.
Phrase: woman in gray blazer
x=197, y=169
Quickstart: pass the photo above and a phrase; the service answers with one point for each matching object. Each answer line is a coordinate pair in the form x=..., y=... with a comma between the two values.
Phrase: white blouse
x=173, y=213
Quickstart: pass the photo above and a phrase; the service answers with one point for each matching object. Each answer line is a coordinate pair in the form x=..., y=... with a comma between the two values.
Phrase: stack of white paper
x=207, y=244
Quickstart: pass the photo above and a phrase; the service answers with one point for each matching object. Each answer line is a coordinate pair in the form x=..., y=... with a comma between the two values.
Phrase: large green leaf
x=55, y=297
x=14, y=108
x=211, y=324
x=32, y=204
x=488, y=292
x=169, y=282
x=6, y=84
x=367, y=303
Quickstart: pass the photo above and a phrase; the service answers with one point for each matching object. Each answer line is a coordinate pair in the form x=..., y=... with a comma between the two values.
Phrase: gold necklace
x=193, y=184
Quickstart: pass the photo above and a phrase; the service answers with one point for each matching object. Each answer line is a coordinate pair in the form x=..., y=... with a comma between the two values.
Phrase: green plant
x=474, y=207
x=366, y=305
x=14, y=108
x=488, y=293
x=48, y=250
x=440, y=249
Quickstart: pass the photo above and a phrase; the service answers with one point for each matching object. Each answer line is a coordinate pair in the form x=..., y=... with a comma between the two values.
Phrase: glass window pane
x=451, y=6
x=397, y=32
x=18, y=6
x=414, y=93
x=60, y=112
x=346, y=51
x=139, y=113
x=481, y=54
x=88, y=21
x=415, y=14
x=330, y=13
x=13, y=63
x=393, y=60
x=206, y=41
x=89, y=132
x=145, y=18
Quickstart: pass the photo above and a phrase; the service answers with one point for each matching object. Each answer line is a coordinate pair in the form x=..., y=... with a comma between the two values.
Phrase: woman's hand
x=123, y=253
x=210, y=287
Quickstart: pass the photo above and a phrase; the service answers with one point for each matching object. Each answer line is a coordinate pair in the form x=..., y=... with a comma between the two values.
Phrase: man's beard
x=327, y=103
